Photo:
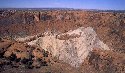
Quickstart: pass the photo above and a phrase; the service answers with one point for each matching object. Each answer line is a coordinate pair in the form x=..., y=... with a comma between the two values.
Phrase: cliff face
x=86, y=40
x=28, y=21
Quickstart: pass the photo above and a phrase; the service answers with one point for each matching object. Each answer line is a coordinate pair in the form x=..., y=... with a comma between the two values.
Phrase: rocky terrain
x=62, y=41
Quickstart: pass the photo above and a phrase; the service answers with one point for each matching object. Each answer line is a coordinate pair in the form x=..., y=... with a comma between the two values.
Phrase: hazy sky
x=84, y=4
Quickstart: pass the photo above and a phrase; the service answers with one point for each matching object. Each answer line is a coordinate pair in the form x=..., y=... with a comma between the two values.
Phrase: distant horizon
x=60, y=8
x=75, y=4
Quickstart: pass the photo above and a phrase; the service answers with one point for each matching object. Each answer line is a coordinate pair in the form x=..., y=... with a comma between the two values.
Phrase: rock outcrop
x=72, y=47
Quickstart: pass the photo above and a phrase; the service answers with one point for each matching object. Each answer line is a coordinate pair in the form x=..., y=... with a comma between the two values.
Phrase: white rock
x=73, y=50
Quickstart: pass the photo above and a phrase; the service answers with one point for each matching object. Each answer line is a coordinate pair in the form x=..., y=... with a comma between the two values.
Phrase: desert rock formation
x=62, y=41
x=72, y=47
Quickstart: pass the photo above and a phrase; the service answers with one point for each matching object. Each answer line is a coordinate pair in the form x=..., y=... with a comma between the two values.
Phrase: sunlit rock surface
x=71, y=47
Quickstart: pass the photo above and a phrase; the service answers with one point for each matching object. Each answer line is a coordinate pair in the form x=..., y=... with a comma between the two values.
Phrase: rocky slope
x=66, y=41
